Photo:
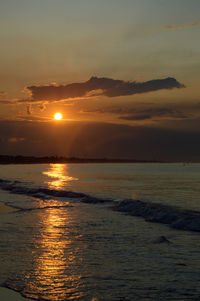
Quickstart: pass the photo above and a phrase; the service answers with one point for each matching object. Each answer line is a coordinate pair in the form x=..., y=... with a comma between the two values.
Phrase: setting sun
x=58, y=116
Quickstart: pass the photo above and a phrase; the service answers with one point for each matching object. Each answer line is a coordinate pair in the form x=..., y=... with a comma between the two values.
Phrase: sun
x=58, y=116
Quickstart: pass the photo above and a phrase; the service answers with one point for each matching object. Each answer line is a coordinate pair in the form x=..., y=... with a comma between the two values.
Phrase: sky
x=124, y=74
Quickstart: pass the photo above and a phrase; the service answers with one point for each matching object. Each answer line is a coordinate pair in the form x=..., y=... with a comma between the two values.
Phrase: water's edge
x=152, y=212
x=8, y=297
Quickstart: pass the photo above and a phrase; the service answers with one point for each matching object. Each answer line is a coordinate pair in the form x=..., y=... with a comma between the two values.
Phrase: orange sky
x=82, y=49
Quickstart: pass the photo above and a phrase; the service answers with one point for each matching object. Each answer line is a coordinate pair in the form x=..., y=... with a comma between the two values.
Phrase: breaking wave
x=152, y=212
x=157, y=213
x=18, y=187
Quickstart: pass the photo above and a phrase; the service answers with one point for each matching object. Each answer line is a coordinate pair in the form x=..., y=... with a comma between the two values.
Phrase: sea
x=64, y=240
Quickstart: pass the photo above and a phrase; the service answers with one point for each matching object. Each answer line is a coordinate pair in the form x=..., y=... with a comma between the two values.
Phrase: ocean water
x=58, y=245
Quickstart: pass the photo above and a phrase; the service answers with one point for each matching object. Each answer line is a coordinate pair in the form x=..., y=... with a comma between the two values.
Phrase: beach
x=5, y=209
x=9, y=295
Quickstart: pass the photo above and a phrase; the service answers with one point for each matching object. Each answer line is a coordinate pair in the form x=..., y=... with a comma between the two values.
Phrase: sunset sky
x=124, y=74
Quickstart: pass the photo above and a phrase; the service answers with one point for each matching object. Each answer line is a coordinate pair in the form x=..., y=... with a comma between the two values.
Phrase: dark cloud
x=100, y=86
x=84, y=139
x=42, y=107
x=28, y=109
x=138, y=113
x=153, y=113
x=136, y=117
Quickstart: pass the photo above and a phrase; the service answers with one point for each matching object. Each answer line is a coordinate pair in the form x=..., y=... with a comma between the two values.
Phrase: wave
x=21, y=209
x=157, y=213
x=152, y=212
x=18, y=187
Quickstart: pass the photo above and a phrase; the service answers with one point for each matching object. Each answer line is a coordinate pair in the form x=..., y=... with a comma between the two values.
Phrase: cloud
x=100, y=86
x=174, y=27
x=42, y=107
x=90, y=139
x=148, y=113
x=153, y=113
x=31, y=118
x=15, y=139
x=28, y=109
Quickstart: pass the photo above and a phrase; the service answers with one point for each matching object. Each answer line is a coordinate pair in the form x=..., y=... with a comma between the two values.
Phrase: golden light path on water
x=58, y=176
x=55, y=273
x=54, y=268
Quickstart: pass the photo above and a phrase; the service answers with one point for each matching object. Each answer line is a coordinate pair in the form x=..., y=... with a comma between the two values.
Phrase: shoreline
x=9, y=159
x=7, y=294
x=4, y=209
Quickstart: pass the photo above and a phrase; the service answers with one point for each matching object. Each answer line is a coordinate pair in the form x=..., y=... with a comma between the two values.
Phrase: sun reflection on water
x=58, y=176
x=55, y=276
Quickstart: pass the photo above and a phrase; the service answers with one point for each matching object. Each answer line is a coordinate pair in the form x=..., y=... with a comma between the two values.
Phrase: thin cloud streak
x=150, y=113
x=16, y=139
x=155, y=113
x=174, y=27
x=6, y=102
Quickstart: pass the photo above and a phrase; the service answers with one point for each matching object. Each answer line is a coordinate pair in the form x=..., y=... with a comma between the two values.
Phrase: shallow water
x=174, y=184
x=84, y=251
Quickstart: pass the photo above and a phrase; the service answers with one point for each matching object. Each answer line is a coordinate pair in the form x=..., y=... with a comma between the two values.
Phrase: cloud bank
x=99, y=140
x=149, y=112
x=100, y=86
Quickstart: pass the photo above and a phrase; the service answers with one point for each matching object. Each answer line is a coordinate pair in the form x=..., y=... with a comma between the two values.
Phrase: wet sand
x=9, y=295
x=5, y=209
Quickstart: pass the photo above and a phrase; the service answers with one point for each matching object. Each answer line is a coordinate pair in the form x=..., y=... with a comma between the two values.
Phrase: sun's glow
x=58, y=116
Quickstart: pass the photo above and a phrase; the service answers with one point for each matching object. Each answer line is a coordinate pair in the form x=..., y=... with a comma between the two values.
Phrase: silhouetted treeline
x=54, y=159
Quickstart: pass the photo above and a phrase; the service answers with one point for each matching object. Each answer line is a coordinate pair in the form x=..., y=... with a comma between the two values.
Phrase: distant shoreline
x=4, y=159
x=54, y=159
